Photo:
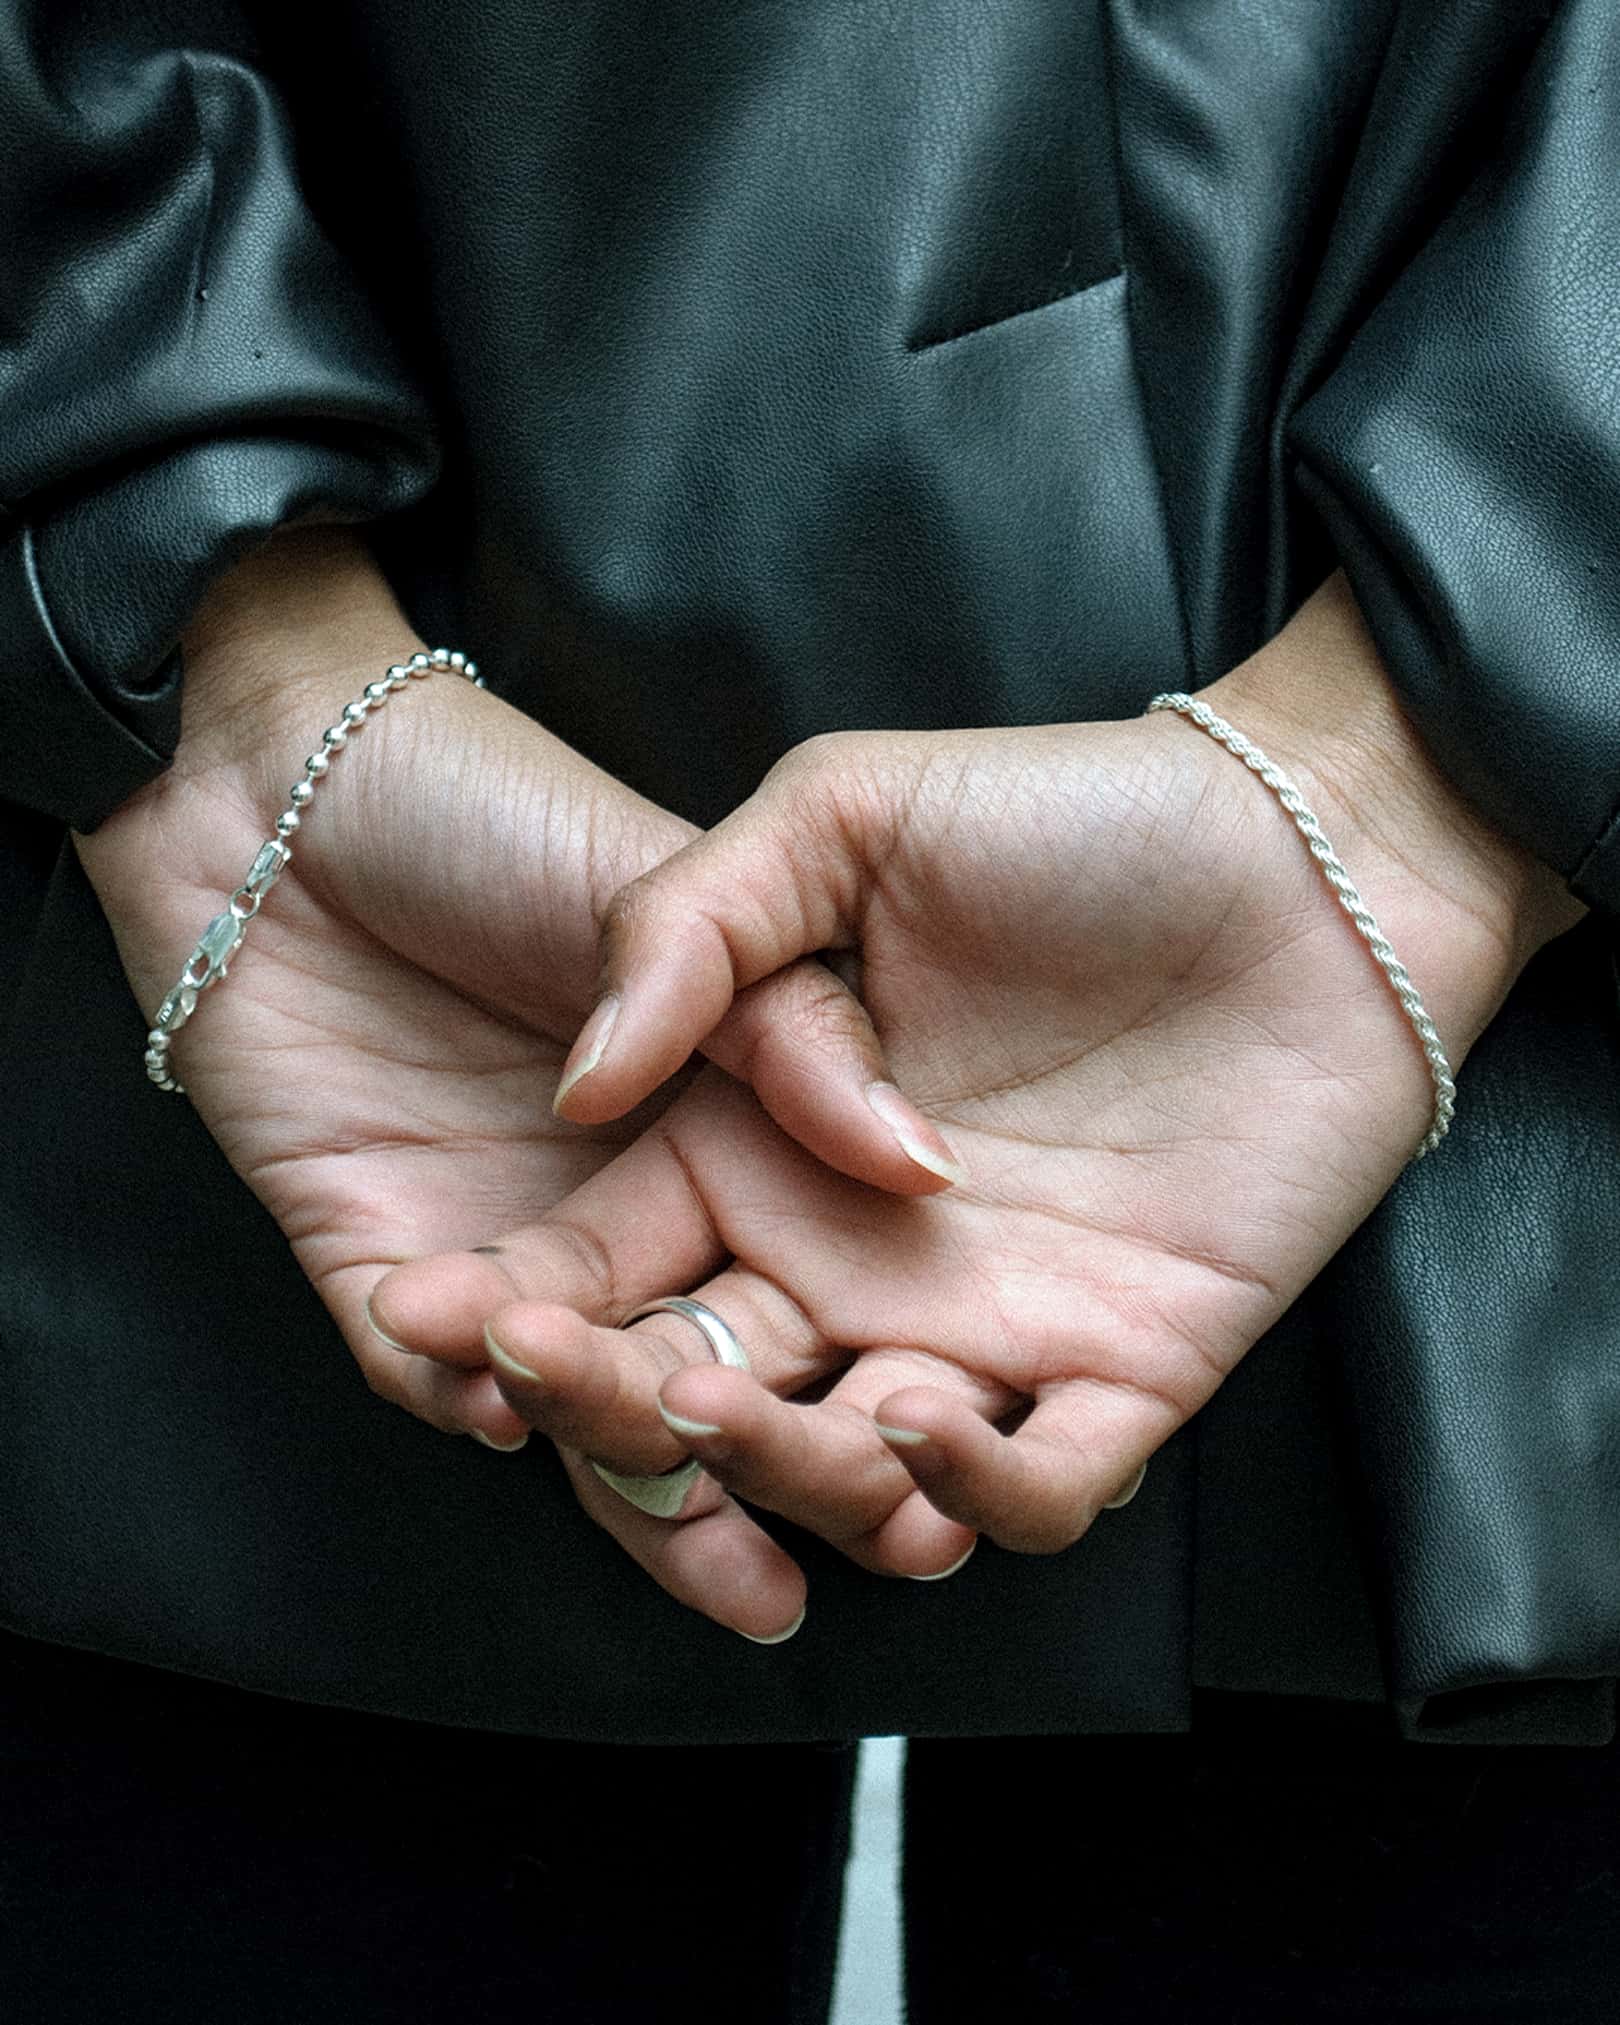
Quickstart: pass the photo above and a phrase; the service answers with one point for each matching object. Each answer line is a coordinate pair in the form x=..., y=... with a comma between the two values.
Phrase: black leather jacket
x=720, y=374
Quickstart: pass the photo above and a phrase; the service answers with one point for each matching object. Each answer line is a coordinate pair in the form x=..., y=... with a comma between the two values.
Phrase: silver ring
x=663, y=1495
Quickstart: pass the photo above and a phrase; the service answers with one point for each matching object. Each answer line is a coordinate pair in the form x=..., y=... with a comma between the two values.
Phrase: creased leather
x=721, y=375
x=1465, y=454
x=1476, y=1325
x=184, y=366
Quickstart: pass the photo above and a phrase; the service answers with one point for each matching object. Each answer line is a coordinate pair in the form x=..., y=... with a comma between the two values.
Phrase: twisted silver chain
x=1445, y=1090
x=223, y=936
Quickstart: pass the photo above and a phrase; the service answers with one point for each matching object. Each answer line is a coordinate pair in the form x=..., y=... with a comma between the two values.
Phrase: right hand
x=1176, y=1078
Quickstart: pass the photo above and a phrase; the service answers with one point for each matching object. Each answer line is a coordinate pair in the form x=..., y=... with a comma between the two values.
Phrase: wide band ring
x=663, y=1495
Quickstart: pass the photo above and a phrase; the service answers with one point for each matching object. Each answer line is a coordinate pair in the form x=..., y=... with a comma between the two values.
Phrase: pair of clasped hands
x=999, y=1088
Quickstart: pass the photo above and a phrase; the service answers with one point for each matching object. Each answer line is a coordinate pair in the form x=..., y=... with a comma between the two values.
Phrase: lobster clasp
x=217, y=944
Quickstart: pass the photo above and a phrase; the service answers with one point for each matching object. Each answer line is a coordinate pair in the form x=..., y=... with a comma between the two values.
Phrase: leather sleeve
x=1464, y=454
x=186, y=364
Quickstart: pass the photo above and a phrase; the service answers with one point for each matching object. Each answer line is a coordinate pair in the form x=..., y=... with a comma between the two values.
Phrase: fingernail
x=918, y=1140
x=507, y=1361
x=951, y=1570
x=777, y=1638
x=589, y=1047
x=1128, y=1493
x=377, y=1329
x=500, y=1447
x=678, y=1424
x=908, y=1437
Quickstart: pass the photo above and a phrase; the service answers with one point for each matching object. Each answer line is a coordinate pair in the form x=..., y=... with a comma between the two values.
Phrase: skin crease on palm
x=1098, y=957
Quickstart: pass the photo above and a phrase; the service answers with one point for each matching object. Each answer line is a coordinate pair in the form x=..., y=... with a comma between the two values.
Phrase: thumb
x=784, y=875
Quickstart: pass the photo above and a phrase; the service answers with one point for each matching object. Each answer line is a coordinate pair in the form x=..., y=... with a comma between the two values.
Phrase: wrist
x=280, y=643
x=284, y=635
x=1465, y=906
x=277, y=648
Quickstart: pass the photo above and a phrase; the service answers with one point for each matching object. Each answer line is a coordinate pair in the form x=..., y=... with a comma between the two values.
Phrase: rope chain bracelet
x=1445, y=1090
x=223, y=936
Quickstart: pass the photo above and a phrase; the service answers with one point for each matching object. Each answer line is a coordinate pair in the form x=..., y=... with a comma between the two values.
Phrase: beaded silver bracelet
x=223, y=936
x=1445, y=1090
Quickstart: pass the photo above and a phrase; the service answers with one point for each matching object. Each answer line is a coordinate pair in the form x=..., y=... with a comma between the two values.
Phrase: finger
x=634, y=1230
x=596, y=1388
x=721, y=1564
x=454, y=1401
x=1037, y=1490
x=778, y=879
x=825, y=1466
x=803, y=1042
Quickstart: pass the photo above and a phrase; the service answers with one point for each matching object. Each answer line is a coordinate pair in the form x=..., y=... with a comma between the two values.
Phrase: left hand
x=379, y=1068
x=1102, y=957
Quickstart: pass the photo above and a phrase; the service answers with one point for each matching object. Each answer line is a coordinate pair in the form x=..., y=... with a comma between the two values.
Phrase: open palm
x=1099, y=957
x=380, y=1064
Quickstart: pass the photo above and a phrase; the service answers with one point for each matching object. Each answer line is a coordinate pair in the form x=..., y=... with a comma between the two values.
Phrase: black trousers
x=183, y=1851
x=1288, y=1862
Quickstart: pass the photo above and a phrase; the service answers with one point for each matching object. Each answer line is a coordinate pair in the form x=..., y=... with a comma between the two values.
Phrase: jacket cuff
x=77, y=748
x=1597, y=878
x=1531, y=740
x=1464, y=457
x=198, y=366
x=93, y=599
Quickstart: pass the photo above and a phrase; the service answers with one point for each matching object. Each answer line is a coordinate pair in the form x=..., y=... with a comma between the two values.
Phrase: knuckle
x=664, y=1354
x=629, y=912
x=815, y=1011
x=823, y=753
x=815, y=789
x=593, y=1277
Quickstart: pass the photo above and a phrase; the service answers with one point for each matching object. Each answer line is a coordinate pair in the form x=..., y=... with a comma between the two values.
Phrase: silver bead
x=223, y=935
